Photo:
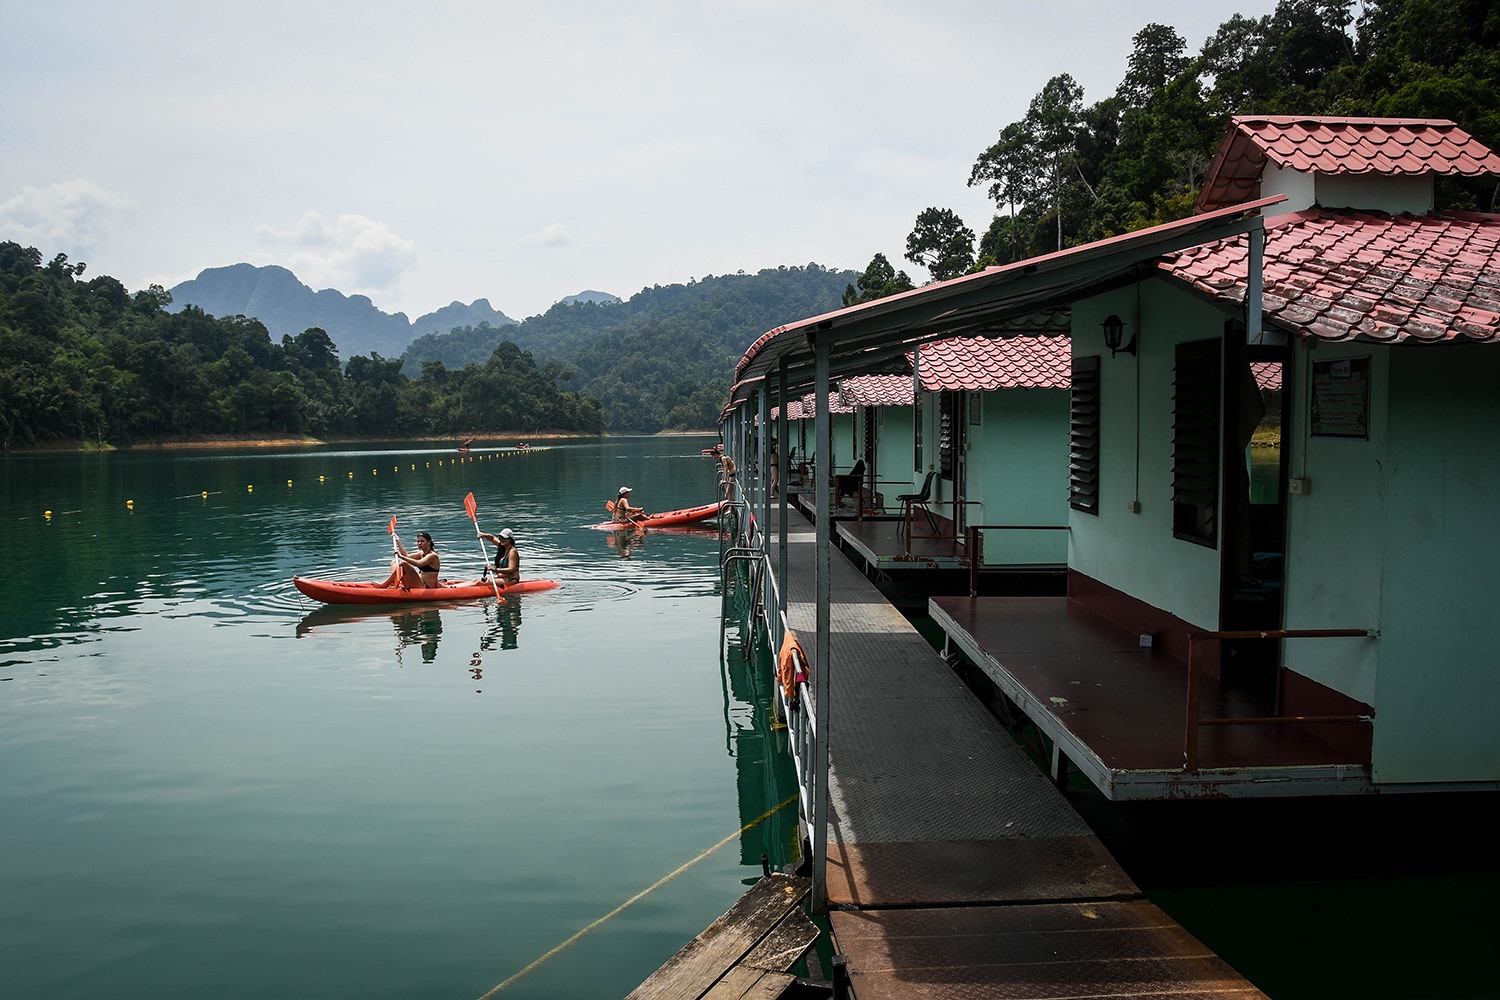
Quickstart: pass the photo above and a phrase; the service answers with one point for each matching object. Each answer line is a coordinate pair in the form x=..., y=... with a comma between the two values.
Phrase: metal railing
x=745, y=543
x=974, y=543
x=1195, y=720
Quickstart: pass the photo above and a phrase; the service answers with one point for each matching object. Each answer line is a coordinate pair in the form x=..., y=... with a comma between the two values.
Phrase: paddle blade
x=390, y=529
x=609, y=505
x=472, y=508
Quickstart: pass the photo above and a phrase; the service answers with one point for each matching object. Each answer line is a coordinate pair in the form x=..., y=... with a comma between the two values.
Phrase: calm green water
x=210, y=786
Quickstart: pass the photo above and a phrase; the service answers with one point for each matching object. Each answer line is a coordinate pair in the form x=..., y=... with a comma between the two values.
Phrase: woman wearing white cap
x=507, y=559
x=623, y=511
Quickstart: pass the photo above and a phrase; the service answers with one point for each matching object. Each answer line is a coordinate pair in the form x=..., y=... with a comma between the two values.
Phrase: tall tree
x=941, y=243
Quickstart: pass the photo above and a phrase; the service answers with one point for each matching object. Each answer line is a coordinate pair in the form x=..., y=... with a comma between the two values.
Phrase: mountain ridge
x=287, y=306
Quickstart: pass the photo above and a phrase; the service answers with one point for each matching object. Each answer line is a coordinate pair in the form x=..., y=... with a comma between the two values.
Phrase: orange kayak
x=337, y=592
x=665, y=519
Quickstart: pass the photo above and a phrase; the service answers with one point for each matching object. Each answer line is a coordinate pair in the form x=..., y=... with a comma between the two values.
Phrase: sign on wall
x=1341, y=398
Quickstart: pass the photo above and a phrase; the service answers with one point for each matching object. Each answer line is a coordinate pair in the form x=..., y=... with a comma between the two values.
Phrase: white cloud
x=75, y=217
x=350, y=253
x=555, y=235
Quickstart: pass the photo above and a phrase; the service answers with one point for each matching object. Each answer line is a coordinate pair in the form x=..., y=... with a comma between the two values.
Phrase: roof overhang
x=865, y=337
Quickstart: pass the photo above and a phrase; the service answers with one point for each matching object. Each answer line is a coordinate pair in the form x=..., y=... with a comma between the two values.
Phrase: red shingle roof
x=981, y=363
x=1267, y=374
x=1365, y=276
x=878, y=390
x=1392, y=146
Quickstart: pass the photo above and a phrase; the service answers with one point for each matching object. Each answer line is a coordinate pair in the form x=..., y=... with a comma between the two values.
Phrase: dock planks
x=954, y=864
x=745, y=953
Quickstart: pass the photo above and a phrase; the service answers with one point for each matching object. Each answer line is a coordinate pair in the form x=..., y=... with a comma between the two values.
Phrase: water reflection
x=627, y=540
x=420, y=628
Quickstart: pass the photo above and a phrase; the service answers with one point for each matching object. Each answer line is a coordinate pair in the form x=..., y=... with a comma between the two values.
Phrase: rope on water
x=637, y=898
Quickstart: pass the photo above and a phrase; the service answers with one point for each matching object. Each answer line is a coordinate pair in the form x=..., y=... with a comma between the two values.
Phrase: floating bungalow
x=1266, y=456
x=1293, y=620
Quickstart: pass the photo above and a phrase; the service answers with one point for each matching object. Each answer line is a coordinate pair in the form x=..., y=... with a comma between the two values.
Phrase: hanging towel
x=787, y=673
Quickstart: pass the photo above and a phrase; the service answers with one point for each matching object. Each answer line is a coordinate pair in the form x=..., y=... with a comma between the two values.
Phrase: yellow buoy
x=351, y=475
x=204, y=494
x=47, y=514
x=250, y=489
x=288, y=484
x=374, y=472
x=130, y=504
x=320, y=479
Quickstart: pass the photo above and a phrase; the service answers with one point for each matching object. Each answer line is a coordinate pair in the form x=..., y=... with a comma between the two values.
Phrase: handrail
x=1194, y=690
x=974, y=541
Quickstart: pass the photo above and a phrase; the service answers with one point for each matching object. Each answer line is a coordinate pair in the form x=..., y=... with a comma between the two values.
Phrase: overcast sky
x=422, y=153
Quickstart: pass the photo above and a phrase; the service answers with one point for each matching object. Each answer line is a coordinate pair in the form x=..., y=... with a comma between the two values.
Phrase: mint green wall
x=1018, y=471
x=894, y=443
x=1136, y=553
x=1439, y=686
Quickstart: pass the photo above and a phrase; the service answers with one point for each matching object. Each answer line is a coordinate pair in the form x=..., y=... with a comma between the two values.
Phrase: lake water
x=211, y=786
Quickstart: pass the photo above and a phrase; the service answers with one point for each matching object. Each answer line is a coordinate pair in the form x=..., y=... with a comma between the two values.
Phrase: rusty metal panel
x=1053, y=951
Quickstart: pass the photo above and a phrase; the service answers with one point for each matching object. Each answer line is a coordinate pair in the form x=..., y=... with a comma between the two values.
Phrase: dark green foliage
x=660, y=360
x=85, y=361
x=1068, y=173
x=878, y=280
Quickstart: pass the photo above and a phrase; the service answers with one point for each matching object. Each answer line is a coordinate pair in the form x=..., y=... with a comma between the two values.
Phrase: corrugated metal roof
x=980, y=363
x=1320, y=145
x=1363, y=276
x=986, y=303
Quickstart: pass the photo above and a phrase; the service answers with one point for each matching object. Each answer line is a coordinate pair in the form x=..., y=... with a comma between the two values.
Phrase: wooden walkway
x=955, y=867
x=745, y=953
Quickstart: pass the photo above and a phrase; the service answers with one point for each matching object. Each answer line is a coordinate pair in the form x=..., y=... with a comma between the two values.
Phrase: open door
x=1255, y=480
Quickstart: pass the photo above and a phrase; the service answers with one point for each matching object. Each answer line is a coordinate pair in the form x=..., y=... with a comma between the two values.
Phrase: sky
x=427, y=153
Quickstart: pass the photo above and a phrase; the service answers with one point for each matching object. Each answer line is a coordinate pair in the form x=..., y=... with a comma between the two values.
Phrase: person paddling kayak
x=507, y=564
x=420, y=570
x=623, y=511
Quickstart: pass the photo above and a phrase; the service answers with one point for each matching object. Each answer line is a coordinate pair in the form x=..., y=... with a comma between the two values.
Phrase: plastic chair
x=918, y=499
x=849, y=484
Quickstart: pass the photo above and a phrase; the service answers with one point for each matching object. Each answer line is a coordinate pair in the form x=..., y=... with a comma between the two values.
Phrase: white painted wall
x=1369, y=192
x=1136, y=553
x=1335, y=534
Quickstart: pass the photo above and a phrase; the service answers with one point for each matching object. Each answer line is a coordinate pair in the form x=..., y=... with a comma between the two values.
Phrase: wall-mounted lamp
x=1114, y=332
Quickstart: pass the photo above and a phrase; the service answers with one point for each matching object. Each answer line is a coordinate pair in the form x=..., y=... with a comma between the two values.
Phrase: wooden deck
x=745, y=953
x=955, y=867
x=1118, y=712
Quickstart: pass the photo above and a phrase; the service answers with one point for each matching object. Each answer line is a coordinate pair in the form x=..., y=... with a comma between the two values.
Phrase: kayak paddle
x=473, y=509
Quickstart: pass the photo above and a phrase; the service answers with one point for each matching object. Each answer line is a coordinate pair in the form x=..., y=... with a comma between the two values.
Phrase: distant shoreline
x=500, y=440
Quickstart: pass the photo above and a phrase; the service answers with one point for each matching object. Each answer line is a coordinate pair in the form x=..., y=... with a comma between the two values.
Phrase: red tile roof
x=1393, y=146
x=980, y=363
x=878, y=390
x=1363, y=276
x=1267, y=374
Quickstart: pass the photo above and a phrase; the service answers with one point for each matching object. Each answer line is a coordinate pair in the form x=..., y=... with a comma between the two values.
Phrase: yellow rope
x=638, y=897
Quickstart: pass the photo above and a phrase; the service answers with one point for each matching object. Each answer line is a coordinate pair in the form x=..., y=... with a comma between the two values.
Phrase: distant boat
x=465, y=445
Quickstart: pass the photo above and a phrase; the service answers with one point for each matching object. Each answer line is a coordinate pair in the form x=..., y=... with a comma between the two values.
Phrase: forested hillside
x=87, y=361
x=661, y=360
x=1077, y=168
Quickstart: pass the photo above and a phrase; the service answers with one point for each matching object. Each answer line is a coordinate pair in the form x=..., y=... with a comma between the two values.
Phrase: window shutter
x=1195, y=442
x=1083, y=436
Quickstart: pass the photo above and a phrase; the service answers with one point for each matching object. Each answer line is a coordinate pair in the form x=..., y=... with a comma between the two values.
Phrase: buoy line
x=537, y=963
